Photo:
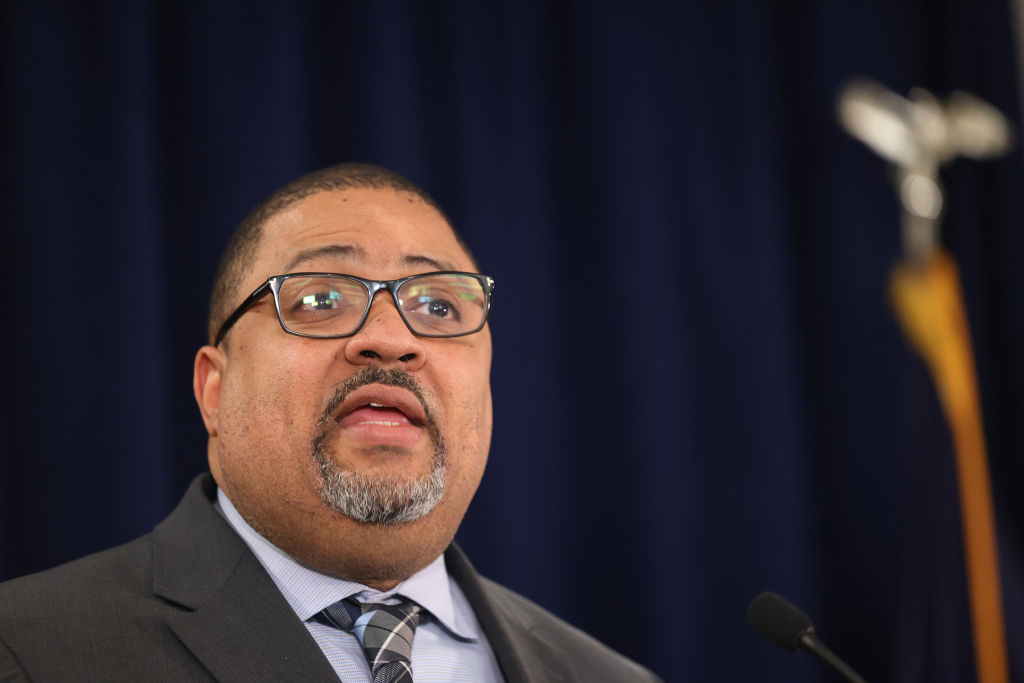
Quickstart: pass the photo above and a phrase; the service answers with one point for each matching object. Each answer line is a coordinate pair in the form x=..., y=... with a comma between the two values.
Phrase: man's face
x=299, y=426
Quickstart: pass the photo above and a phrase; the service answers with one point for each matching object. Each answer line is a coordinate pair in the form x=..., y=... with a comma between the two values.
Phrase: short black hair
x=243, y=243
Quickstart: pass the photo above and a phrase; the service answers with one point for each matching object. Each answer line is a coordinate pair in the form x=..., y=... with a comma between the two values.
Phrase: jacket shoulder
x=101, y=608
x=591, y=659
x=104, y=578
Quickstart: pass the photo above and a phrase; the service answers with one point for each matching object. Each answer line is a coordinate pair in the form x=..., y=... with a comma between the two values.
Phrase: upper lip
x=384, y=396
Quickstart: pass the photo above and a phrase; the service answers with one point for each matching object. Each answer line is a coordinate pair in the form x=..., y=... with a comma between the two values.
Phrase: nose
x=385, y=339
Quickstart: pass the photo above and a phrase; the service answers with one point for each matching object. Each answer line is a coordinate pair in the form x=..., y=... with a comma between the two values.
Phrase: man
x=348, y=431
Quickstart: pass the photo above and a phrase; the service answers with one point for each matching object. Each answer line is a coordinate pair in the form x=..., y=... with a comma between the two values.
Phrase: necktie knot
x=384, y=631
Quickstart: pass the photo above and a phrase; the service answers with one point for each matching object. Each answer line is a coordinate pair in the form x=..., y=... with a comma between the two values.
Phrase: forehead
x=378, y=233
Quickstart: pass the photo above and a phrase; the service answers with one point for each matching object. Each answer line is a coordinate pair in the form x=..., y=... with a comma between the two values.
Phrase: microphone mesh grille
x=778, y=620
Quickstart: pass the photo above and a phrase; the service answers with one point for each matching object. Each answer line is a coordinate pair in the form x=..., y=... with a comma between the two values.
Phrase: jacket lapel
x=235, y=620
x=522, y=654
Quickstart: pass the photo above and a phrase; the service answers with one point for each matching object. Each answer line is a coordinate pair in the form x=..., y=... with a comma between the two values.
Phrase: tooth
x=377, y=405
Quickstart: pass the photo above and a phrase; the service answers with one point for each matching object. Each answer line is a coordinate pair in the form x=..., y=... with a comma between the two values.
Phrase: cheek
x=246, y=422
x=471, y=397
x=480, y=409
x=259, y=406
x=473, y=442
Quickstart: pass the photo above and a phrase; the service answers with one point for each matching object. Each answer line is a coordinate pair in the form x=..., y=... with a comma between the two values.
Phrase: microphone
x=782, y=622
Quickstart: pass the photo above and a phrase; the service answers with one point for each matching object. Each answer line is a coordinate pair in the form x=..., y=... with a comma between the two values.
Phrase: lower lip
x=381, y=427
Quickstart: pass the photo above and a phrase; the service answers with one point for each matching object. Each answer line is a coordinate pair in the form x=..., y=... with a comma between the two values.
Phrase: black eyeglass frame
x=274, y=282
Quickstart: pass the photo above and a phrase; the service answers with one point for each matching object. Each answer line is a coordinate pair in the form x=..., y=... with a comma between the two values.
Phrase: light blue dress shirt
x=448, y=647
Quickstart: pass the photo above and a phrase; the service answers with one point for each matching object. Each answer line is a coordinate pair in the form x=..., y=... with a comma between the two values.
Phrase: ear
x=206, y=376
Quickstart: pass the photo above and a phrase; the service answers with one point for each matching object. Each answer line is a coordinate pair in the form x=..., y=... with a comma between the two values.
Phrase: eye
x=321, y=301
x=310, y=300
x=441, y=309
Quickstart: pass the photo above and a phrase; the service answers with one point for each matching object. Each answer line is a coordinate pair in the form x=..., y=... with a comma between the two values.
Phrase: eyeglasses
x=331, y=305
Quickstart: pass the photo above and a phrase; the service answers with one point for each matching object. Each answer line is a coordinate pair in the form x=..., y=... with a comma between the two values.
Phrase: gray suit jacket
x=191, y=602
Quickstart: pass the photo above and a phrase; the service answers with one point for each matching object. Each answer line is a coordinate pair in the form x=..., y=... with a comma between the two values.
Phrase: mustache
x=372, y=374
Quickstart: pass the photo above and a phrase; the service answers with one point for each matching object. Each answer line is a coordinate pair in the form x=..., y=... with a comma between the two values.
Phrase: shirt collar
x=308, y=591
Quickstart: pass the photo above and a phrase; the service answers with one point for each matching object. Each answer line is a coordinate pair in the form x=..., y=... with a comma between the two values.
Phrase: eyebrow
x=417, y=260
x=350, y=252
x=346, y=252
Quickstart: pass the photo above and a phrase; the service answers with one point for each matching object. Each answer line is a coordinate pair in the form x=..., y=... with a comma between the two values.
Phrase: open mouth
x=382, y=414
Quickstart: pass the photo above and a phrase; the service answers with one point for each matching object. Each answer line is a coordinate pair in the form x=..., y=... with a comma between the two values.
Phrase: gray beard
x=384, y=499
x=380, y=499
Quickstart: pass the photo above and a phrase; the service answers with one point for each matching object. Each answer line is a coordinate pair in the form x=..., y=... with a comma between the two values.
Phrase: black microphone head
x=779, y=620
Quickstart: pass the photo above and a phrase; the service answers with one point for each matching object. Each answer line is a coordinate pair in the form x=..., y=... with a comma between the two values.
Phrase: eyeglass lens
x=432, y=305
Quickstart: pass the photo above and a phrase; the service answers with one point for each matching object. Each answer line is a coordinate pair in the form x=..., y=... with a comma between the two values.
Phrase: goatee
x=378, y=499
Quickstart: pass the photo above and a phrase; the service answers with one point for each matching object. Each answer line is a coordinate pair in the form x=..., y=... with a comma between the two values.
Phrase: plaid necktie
x=384, y=631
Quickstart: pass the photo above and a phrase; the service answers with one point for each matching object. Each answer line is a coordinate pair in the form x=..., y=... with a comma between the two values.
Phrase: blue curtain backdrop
x=700, y=390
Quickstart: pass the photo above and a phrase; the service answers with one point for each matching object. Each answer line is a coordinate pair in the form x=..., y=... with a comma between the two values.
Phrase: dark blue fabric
x=700, y=391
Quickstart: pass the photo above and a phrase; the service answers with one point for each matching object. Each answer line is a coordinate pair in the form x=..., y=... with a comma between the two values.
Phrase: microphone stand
x=810, y=643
